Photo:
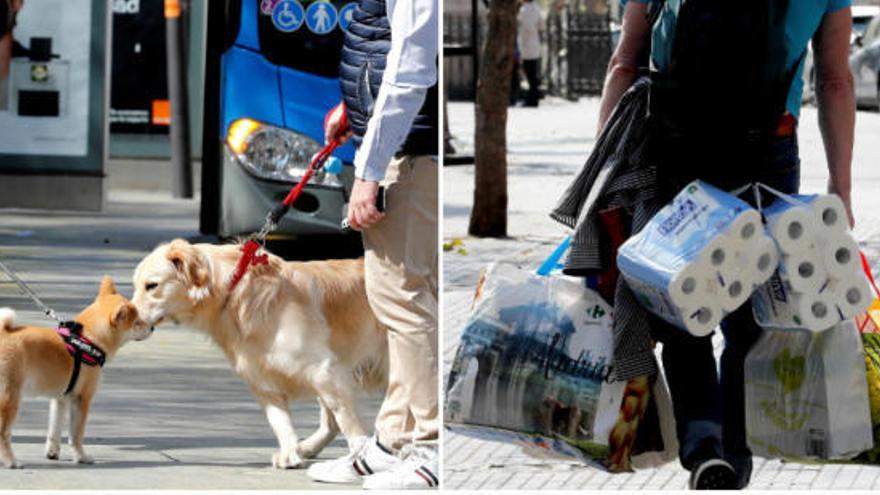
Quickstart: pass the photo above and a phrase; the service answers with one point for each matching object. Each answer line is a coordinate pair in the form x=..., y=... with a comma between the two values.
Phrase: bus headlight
x=274, y=153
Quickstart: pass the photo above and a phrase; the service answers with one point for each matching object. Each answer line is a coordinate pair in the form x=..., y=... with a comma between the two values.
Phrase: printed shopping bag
x=805, y=394
x=533, y=368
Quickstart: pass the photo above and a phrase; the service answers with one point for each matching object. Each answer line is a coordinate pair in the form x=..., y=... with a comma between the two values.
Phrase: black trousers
x=532, y=69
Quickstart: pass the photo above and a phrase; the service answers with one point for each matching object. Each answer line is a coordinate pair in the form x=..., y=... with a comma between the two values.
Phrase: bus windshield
x=305, y=35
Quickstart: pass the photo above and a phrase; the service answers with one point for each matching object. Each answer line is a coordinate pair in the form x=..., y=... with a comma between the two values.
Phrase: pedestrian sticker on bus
x=321, y=17
x=288, y=16
x=345, y=15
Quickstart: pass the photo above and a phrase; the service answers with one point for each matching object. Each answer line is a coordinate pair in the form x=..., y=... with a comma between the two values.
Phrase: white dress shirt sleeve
x=410, y=69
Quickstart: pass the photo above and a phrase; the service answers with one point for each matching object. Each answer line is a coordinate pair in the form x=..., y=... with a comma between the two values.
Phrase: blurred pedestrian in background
x=530, y=31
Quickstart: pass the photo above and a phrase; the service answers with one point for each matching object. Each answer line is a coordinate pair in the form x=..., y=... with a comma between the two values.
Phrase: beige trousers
x=401, y=277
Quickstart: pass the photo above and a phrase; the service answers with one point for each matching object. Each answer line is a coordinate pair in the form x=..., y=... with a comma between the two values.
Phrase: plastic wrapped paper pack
x=699, y=258
x=806, y=394
x=532, y=368
x=819, y=281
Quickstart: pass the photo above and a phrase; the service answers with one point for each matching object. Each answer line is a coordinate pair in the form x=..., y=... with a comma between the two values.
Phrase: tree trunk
x=489, y=214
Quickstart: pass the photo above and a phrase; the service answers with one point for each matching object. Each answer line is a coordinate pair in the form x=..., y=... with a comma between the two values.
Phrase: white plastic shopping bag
x=533, y=368
x=806, y=394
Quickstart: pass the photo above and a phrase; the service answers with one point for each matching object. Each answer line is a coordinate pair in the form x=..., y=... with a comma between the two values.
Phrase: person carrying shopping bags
x=725, y=100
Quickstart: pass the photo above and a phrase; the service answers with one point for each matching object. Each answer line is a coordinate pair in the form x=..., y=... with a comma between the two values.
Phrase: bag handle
x=550, y=263
x=867, y=268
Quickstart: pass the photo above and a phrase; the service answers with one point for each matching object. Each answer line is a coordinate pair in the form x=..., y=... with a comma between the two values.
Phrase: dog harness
x=80, y=348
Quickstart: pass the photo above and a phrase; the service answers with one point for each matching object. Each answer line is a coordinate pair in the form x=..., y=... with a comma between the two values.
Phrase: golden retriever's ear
x=124, y=316
x=107, y=287
x=192, y=266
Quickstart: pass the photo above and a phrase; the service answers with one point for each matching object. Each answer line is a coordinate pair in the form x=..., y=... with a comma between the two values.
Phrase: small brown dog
x=39, y=361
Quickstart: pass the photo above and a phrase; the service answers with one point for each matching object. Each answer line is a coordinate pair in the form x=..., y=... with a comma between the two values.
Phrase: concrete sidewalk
x=170, y=413
x=547, y=146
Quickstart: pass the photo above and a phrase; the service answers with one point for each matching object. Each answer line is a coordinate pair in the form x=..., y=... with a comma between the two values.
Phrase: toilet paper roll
x=736, y=293
x=803, y=271
x=793, y=227
x=746, y=227
x=727, y=258
x=719, y=254
x=804, y=311
x=853, y=295
x=841, y=255
x=815, y=312
x=829, y=211
x=765, y=261
x=688, y=285
x=702, y=319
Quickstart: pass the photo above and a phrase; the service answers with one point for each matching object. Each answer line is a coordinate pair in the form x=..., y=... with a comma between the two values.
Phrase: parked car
x=862, y=15
x=865, y=66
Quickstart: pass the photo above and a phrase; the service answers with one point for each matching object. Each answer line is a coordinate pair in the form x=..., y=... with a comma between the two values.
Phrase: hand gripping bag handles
x=532, y=368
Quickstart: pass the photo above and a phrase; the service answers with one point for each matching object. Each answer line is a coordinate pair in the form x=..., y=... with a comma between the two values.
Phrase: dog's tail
x=7, y=319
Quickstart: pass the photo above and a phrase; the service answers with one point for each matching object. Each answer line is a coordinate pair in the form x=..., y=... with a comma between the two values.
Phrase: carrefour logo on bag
x=684, y=209
x=595, y=312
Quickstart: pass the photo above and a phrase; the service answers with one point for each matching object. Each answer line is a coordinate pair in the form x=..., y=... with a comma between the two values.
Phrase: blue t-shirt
x=802, y=19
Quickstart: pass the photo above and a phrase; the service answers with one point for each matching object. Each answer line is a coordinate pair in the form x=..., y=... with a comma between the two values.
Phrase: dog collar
x=81, y=349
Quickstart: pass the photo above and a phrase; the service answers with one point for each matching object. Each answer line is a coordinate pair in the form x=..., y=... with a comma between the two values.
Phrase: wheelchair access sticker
x=321, y=17
x=288, y=16
x=345, y=15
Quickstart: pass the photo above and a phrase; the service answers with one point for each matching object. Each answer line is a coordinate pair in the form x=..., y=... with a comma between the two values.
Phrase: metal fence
x=460, y=51
x=578, y=48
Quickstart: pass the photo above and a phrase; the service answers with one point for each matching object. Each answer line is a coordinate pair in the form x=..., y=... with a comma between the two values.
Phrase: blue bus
x=271, y=75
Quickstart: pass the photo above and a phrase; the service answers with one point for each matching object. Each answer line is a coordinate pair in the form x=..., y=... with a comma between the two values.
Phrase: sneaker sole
x=715, y=475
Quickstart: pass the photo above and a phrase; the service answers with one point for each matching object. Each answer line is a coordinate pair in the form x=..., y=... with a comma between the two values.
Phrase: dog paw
x=287, y=459
x=308, y=451
x=13, y=465
x=53, y=452
x=84, y=459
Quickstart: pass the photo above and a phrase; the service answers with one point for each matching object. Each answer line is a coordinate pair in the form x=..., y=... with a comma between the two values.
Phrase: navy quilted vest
x=364, y=51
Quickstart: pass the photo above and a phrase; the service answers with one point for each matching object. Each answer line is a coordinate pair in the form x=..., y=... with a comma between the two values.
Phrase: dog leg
x=336, y=393
x=8, y=411
x=278, y=415
x=310, y=447
x=57, y=411
x=79, y=412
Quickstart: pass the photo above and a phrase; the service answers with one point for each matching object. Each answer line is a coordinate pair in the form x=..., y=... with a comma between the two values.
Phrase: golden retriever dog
x=290, y=329
x=34, y=361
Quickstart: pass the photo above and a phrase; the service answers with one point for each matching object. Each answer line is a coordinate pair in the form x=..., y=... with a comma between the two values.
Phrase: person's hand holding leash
x=362, y=211
x=336, y=125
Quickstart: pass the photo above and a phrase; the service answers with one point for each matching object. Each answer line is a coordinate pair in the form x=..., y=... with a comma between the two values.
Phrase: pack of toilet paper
x=699, y=258
x=819, y=281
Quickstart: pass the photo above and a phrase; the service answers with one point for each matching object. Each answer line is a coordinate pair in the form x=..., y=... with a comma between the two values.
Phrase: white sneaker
x=418, y=471
x=370, y=458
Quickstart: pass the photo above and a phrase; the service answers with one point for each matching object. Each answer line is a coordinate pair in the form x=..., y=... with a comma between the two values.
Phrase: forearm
x=623, y=68
x=836, y=101
x=393, y=114
x=620, y=76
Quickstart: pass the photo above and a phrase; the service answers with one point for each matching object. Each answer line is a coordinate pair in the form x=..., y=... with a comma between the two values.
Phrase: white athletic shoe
x=369, y=459
x=418, y=471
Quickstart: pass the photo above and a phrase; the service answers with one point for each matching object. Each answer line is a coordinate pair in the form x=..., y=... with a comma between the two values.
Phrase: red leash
x=250, y=248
